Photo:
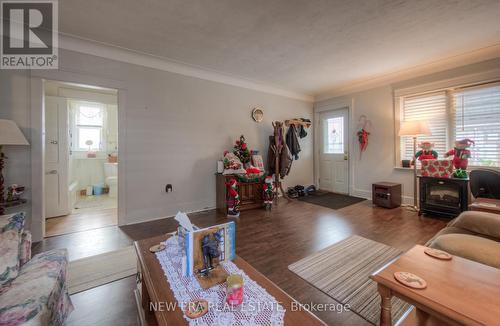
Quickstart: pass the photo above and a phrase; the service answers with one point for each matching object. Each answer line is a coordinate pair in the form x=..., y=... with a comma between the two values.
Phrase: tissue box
x=436, y=168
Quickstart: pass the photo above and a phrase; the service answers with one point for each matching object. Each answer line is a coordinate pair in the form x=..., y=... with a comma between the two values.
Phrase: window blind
x=477, y=116
x=431, y=108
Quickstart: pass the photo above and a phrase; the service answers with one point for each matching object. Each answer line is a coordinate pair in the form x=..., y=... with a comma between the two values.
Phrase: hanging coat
x=285, y=158
x=293, y=142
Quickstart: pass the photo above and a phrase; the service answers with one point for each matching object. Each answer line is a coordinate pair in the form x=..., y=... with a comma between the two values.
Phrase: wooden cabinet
x=250, y=193
x=386, y=194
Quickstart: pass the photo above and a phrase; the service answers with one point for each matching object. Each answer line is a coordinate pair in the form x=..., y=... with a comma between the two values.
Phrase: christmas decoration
x=461, y=156
x=363, y=134
x=268, y=192
x=426, y=152
x=233, y=198
x=436, y=168
x=242, y=152
x=232, y=164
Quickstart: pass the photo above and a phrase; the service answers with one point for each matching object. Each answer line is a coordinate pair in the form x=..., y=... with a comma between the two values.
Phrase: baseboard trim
x=206, y=209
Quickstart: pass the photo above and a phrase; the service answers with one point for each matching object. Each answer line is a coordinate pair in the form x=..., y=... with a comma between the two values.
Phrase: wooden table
x=155, y=289
x=488, y=205
x=459, y=291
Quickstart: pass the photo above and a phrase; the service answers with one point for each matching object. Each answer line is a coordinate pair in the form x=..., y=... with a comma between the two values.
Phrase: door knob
x=54, y=142
x=51, y=172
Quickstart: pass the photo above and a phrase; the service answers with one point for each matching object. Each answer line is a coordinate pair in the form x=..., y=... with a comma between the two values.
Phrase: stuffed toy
x=233, y=198
x=268, y=192
x=426, y=152
x=461, y=155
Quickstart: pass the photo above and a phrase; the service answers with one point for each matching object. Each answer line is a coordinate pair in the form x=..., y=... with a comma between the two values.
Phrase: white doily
x=258, y=307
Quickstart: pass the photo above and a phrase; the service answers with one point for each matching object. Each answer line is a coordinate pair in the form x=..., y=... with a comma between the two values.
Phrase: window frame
x=399, y=97
x=75, y=106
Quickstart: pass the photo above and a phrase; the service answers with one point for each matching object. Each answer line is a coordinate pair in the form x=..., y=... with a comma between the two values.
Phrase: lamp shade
x=10, y=134
x=414, y=128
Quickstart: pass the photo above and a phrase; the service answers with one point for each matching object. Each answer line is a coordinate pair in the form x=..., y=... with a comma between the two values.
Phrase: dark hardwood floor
x=269, y=241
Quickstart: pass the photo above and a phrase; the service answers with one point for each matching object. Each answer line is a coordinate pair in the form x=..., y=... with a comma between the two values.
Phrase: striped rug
x=342, y=272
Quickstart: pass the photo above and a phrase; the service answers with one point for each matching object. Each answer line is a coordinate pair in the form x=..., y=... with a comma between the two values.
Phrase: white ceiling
x=307, y=46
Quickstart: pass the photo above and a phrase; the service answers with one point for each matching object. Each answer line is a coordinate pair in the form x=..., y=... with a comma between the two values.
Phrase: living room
x=331, y=142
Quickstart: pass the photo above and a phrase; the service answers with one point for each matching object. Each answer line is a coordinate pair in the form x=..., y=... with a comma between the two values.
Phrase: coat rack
x=278, y=133
x=279, y=143
x=297, y=122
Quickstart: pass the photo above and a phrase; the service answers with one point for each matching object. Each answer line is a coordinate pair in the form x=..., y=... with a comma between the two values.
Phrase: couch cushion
x=11, y=229
x=471, y=247
x=484, y=223
x=38, y=296
x=9, y=255
x=13, y=222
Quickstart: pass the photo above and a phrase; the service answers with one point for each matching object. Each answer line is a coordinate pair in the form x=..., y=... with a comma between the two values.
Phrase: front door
x=334, y=151
x=56, y=157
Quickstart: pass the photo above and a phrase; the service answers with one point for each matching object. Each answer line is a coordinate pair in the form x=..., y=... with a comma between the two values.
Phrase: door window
x=334, y=136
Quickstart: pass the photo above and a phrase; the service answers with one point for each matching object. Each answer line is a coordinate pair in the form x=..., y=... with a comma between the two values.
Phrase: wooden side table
x=489, y=205
x=250, y=193
x=459, y=291
x=6, y=204
x=386, y=194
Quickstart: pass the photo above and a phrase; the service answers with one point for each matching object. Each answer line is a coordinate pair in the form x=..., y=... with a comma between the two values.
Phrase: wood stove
x=443, y=196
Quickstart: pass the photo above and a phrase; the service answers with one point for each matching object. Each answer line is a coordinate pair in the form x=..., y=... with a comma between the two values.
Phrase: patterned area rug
x=342, y=272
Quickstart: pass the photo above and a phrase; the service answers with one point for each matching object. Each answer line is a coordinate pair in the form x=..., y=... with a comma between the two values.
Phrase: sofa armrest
x=487, y=224
x=25, y=249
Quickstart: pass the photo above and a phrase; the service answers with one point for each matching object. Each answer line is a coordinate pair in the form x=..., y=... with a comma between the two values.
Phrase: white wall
x=176, y=127
x=14, y=103
x=378, y=161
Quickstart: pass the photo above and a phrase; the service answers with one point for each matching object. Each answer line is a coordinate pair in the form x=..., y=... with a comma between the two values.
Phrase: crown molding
x=72, y=43
x=464, y=59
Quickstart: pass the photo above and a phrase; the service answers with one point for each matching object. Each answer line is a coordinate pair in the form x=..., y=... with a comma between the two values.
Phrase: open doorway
x=81, y=157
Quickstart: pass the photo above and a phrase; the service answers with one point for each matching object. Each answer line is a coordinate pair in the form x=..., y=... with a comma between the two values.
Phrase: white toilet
x=111, y=178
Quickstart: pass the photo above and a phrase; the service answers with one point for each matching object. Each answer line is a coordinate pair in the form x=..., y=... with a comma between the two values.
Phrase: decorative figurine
x=210, y=250
x=426, y=152
x=234, y=292
x=268, y=192
x=14, y=192
x=233, y=198
x=461, y=155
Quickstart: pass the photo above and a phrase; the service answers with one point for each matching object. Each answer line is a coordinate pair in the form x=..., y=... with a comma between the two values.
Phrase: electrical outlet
x=168, y=188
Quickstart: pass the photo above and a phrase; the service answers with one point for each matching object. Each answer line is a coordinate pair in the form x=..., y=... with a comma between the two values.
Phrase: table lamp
x=414, y=129
x=9, y=135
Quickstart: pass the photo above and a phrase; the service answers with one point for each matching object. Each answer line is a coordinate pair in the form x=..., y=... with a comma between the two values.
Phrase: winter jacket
x=293, y=142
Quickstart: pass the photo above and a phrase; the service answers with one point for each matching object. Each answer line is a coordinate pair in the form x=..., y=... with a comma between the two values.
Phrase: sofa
x=472, y=235
x=33, y=291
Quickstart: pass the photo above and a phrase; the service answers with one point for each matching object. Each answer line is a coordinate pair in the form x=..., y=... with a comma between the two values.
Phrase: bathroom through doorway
x=81, y=157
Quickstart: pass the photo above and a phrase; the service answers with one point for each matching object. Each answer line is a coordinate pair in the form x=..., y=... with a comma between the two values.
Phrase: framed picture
x=258, y=114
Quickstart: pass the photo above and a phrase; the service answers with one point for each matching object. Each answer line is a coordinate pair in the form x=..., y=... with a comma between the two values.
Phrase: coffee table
x=154, y=288
x=459, y=291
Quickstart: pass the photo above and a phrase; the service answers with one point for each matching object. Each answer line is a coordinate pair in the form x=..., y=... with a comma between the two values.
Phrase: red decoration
x=436, y=168
x=363, y=134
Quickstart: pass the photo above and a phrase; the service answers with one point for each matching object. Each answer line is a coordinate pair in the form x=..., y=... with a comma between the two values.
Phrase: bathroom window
x=89, y=121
